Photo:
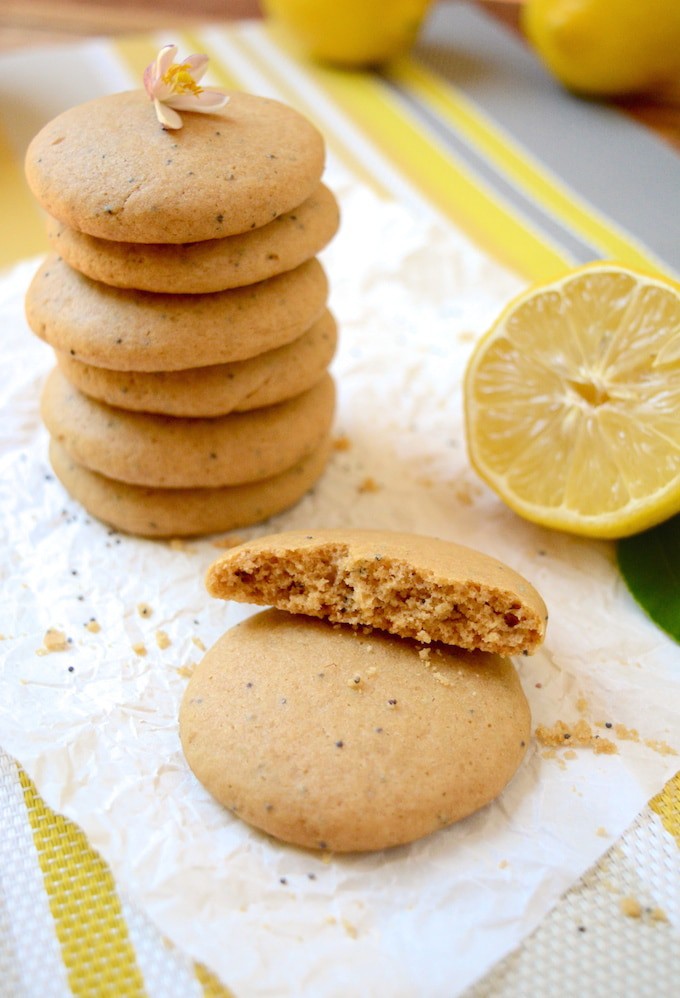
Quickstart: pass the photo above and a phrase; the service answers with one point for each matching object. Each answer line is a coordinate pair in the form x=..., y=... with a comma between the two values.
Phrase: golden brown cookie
x=109, y=169
x=264, y=380
x=330, y=738
x=209, y=265
x=172, y=452
x=411, y=585
x=140, y=331
x=149, y=512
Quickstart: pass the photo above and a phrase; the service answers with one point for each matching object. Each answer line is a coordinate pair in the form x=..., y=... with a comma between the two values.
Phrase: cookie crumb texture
x=271, y=728
x=415, y=587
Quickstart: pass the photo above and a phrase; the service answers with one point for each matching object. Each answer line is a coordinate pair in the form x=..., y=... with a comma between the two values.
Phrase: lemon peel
x=607, y=47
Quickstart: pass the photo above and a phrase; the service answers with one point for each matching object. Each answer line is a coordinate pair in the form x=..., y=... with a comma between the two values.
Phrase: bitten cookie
x=329, y=738
x=170, y=452
x=264, y=380
x=414, y=586
x=209, y=265
x=109, y=169
x=150, y=512
x=142, y=331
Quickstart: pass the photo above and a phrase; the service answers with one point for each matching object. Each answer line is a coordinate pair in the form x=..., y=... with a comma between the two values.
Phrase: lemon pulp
x=572, y=403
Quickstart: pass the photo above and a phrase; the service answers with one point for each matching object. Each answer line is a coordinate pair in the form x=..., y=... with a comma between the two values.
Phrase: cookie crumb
x=631, y=907
x=368, y=485
x=602, y=832
x=658, y=915
x=178, y=544
x=626, y=734
x=342, y=443
x=144, y=610
x=464, y=495
x=579, y=734
x=54, y=640
x=93, y=626
x=663, y=748
x=186, y=671
x=197, y=641
x=228, y=542
x=139, y=649
x=162, y=640
x=503, y=865
x=350, y=929
x=582, y=705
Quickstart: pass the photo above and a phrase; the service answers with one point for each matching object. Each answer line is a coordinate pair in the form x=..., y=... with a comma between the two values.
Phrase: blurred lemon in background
x=607, y=47
x=350, y=32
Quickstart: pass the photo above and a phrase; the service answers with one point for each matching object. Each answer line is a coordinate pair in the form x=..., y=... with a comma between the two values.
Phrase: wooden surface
x=40, y=22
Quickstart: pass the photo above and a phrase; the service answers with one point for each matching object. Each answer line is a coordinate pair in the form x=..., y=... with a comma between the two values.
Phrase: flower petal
x=164, y=60
x=206, y=102
x=167, y=117
x=198, y=64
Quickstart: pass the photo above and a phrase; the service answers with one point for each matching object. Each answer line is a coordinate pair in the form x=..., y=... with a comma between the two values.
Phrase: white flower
x=173, y=86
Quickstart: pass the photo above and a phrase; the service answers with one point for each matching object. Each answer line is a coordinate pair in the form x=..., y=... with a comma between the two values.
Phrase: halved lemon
x=572, y=402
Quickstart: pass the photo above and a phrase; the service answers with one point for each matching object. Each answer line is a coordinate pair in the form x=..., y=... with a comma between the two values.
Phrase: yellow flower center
x=180, y=79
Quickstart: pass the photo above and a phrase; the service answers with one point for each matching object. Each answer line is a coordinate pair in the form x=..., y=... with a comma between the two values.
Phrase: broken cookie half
x=406, y=584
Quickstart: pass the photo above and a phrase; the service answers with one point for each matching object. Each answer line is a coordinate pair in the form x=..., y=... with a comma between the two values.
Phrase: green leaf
x=650, y=565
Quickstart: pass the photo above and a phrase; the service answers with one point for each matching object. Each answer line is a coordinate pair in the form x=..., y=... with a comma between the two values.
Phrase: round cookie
x=172, y=452
x=408, y=584
x=264, y=380
x=109, y=169
x=141, y=331
x=330, y=738
x=149, y=512
x=209, y=265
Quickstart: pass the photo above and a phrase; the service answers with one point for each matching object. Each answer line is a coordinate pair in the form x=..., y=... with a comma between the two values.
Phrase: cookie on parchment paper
x=329, y=738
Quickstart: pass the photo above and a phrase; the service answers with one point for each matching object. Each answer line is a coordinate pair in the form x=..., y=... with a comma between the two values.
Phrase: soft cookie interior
x=411, y=586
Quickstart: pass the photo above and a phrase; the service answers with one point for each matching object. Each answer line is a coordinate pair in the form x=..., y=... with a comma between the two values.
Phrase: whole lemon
x=607, y=47
x=350, y=32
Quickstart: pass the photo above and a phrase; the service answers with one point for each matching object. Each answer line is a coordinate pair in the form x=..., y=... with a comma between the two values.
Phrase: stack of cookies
x=187, y=310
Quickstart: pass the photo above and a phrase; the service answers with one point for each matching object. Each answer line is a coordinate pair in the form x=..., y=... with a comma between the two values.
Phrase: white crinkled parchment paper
x=96, y=725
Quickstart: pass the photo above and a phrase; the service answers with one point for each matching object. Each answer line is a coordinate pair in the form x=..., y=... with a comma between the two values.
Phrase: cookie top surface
x=411, y=585
x=141, y=331
x=209, y=265
x=172, y=452
x=109, y=169
x=328, y=738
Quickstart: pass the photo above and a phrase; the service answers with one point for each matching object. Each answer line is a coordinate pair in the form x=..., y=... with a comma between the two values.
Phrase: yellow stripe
x=449, y=184
x=212, y=986
x=458, y=112
x=667, y=806
x=137, y=51
x=88, y=918
x=22, y=219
